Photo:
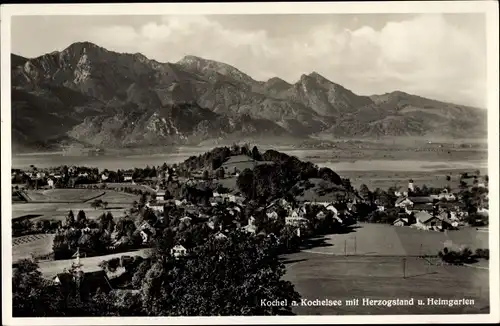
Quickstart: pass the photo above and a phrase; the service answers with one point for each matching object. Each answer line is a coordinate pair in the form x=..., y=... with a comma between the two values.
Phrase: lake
x=321, y=158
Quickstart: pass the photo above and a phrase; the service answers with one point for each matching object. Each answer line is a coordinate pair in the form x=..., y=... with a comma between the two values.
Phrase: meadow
x=342, y=278
x=64, y=195
x=381, y=262
x=28, y=245
x=387, y=240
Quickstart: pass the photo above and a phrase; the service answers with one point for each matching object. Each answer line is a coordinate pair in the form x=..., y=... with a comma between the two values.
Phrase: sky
x=441, y=56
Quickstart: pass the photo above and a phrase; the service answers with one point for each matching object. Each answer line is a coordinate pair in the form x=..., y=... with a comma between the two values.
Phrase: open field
x=114, y=185
x=118, y=203
x=58, y=212
x=50, y=269
x=382, y=263
x=321, y=277
x=116, y=197
x=241, y=162
x=36, y=244
x=387, y=240
x=385, y=179
x=64, y=195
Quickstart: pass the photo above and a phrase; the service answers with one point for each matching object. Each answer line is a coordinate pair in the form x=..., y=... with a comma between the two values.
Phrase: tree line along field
x=64, y=195
x=50, y=269
x=399, y=179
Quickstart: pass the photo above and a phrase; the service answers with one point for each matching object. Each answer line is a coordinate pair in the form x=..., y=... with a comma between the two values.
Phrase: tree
x=81, y=218
x=220, y=173
x=365, y=193
x=448, y=178
x=70, y=219
x=216, y=163
x=256, y=154
x=96, y=203
x=251, y=269
x=328, y=174
x=143, y=200
x=245, y=150
x=205, y=175
x=245, y=183
x=105, y=204
x=32, y=295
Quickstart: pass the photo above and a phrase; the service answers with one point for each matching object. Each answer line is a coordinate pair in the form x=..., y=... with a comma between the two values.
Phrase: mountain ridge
x=93, y=93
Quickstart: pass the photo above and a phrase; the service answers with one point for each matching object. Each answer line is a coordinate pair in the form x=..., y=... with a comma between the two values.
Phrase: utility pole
x=355, y=245
x=404, y=267
x=345, y=248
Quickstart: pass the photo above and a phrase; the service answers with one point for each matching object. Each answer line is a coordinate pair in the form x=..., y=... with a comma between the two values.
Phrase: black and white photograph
x=322, y=161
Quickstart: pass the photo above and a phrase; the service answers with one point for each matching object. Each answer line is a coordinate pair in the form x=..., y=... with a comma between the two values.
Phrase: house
x=83, y=175
x=419, y=207
x=104, y=177
x=403, y=202
x=321, y=215
x=147, y=231
x=401, y=221
x=424, y=220
x=160, y=195
x=220, y=236
x=50, y=182
x=445, y=222
x=127, y=176
x=178, y=251
x=146, y=234
x=186, y=219
x=158, y=207
x=444, y=195
x=380, y=208
x=332, y=208
x=250, y=227
x=483, y=211
x=40, y=175
x=295, y=219
x=90, y=282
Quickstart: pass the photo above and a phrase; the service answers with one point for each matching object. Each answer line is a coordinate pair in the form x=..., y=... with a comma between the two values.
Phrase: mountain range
x=90, y=96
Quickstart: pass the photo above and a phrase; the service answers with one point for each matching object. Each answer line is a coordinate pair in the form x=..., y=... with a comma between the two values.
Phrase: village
x=185, y=207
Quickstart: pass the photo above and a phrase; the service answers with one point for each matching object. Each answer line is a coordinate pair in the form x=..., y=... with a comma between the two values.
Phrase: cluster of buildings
x=433, y=212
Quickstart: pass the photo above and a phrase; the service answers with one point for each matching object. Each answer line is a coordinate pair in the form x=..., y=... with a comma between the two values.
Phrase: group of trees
x=268, y=181
x=219, y=277
x=95, y=237
x=98, y=203
x=209, y=160
x=26, y=226
x=463, y=256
